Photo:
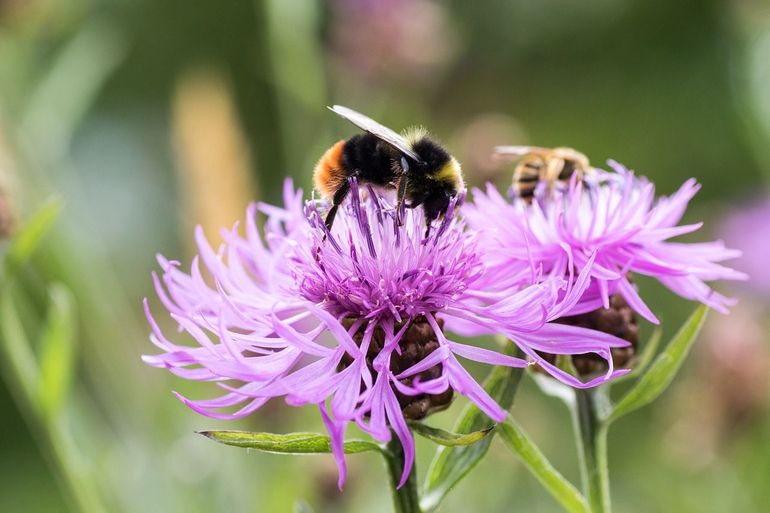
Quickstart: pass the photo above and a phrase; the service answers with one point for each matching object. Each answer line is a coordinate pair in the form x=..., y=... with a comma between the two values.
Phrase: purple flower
x=746, y=229
x=352, y=321
x=614, y=218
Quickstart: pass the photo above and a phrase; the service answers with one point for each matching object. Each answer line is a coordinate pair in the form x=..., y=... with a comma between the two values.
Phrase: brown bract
x=417, y=343
x=618, y=320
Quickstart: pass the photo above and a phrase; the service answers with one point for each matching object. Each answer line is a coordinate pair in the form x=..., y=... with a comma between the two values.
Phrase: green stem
x=591, y=432
x=405, y=499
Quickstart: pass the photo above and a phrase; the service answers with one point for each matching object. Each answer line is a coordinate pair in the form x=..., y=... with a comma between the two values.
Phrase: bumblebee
x=549, y=165
x=417, y=167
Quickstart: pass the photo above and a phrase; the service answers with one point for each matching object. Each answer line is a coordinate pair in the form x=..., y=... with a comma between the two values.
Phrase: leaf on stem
x=29, y=237
x=292, y=443
x=559, y=487
x=663, y=370
x=447, y=438
x=452, y=464
x=57, y=350
x=14, y=342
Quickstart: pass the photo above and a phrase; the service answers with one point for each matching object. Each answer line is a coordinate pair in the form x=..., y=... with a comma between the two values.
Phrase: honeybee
x=416, y=166
x=549, y=165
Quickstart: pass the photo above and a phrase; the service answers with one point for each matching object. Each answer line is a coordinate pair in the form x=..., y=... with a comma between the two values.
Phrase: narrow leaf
x=452, y=464
x=559, y=487
x=648, y=353
x=664, y=368
x=448, y=438
x=28, y=238
x=57, y=350
x=292, y=443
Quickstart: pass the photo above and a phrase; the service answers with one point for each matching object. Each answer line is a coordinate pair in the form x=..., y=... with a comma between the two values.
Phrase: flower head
x=614, y=217
x=352, y=321
x=745, y=228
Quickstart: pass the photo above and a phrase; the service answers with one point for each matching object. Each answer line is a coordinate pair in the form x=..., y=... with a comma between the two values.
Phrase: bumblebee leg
x=400, y=203
x=339, y=197
x=401, y=195
x=329, y=221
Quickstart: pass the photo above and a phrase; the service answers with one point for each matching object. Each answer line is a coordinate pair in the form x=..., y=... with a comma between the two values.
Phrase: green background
x=108, y=105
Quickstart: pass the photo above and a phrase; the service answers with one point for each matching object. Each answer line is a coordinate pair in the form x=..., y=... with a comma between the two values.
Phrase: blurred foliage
x=99, y=105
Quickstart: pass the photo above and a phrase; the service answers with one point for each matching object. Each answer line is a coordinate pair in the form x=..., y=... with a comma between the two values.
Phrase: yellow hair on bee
x=414, y=134
x=452, y=173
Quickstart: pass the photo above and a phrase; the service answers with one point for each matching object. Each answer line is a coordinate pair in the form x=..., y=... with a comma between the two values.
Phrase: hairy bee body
x=552, y=166
x=328, y=175
x=420, y=169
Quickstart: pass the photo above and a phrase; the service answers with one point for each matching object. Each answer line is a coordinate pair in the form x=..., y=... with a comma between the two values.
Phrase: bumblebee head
x=433, y=155
x=437, y=203
x=437, y=164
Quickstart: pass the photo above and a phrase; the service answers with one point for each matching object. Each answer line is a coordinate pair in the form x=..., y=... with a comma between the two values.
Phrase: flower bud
x=417, y=343
x=618, y=320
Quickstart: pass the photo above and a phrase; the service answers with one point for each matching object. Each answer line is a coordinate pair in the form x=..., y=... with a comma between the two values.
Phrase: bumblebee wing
x=383, y=133
x=514, y=152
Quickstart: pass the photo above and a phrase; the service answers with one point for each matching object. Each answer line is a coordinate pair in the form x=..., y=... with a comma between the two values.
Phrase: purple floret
x=320, y=317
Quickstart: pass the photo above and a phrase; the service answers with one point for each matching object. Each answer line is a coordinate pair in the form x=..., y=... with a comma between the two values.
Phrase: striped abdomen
x=527, y=175
x=329, y=174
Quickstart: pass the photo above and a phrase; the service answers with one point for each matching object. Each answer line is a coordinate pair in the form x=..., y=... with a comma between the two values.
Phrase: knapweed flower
x=612, y=216
x=745, y=228
x=352, y=320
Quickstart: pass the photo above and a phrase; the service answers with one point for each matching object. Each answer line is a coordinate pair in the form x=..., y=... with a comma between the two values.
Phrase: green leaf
x=452, y=464
x=664, y=368
x=448, y=438
x=559, y=487
x=292, y=443
x=30, y=235
x=57, y=350
x=648, y=353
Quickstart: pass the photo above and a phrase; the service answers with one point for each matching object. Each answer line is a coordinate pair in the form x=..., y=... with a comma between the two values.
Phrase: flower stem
x=405, y=499
x=591, y=433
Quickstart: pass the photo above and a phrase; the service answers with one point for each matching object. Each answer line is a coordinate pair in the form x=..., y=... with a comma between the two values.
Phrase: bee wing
x=513, y=152
x=382, y=132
